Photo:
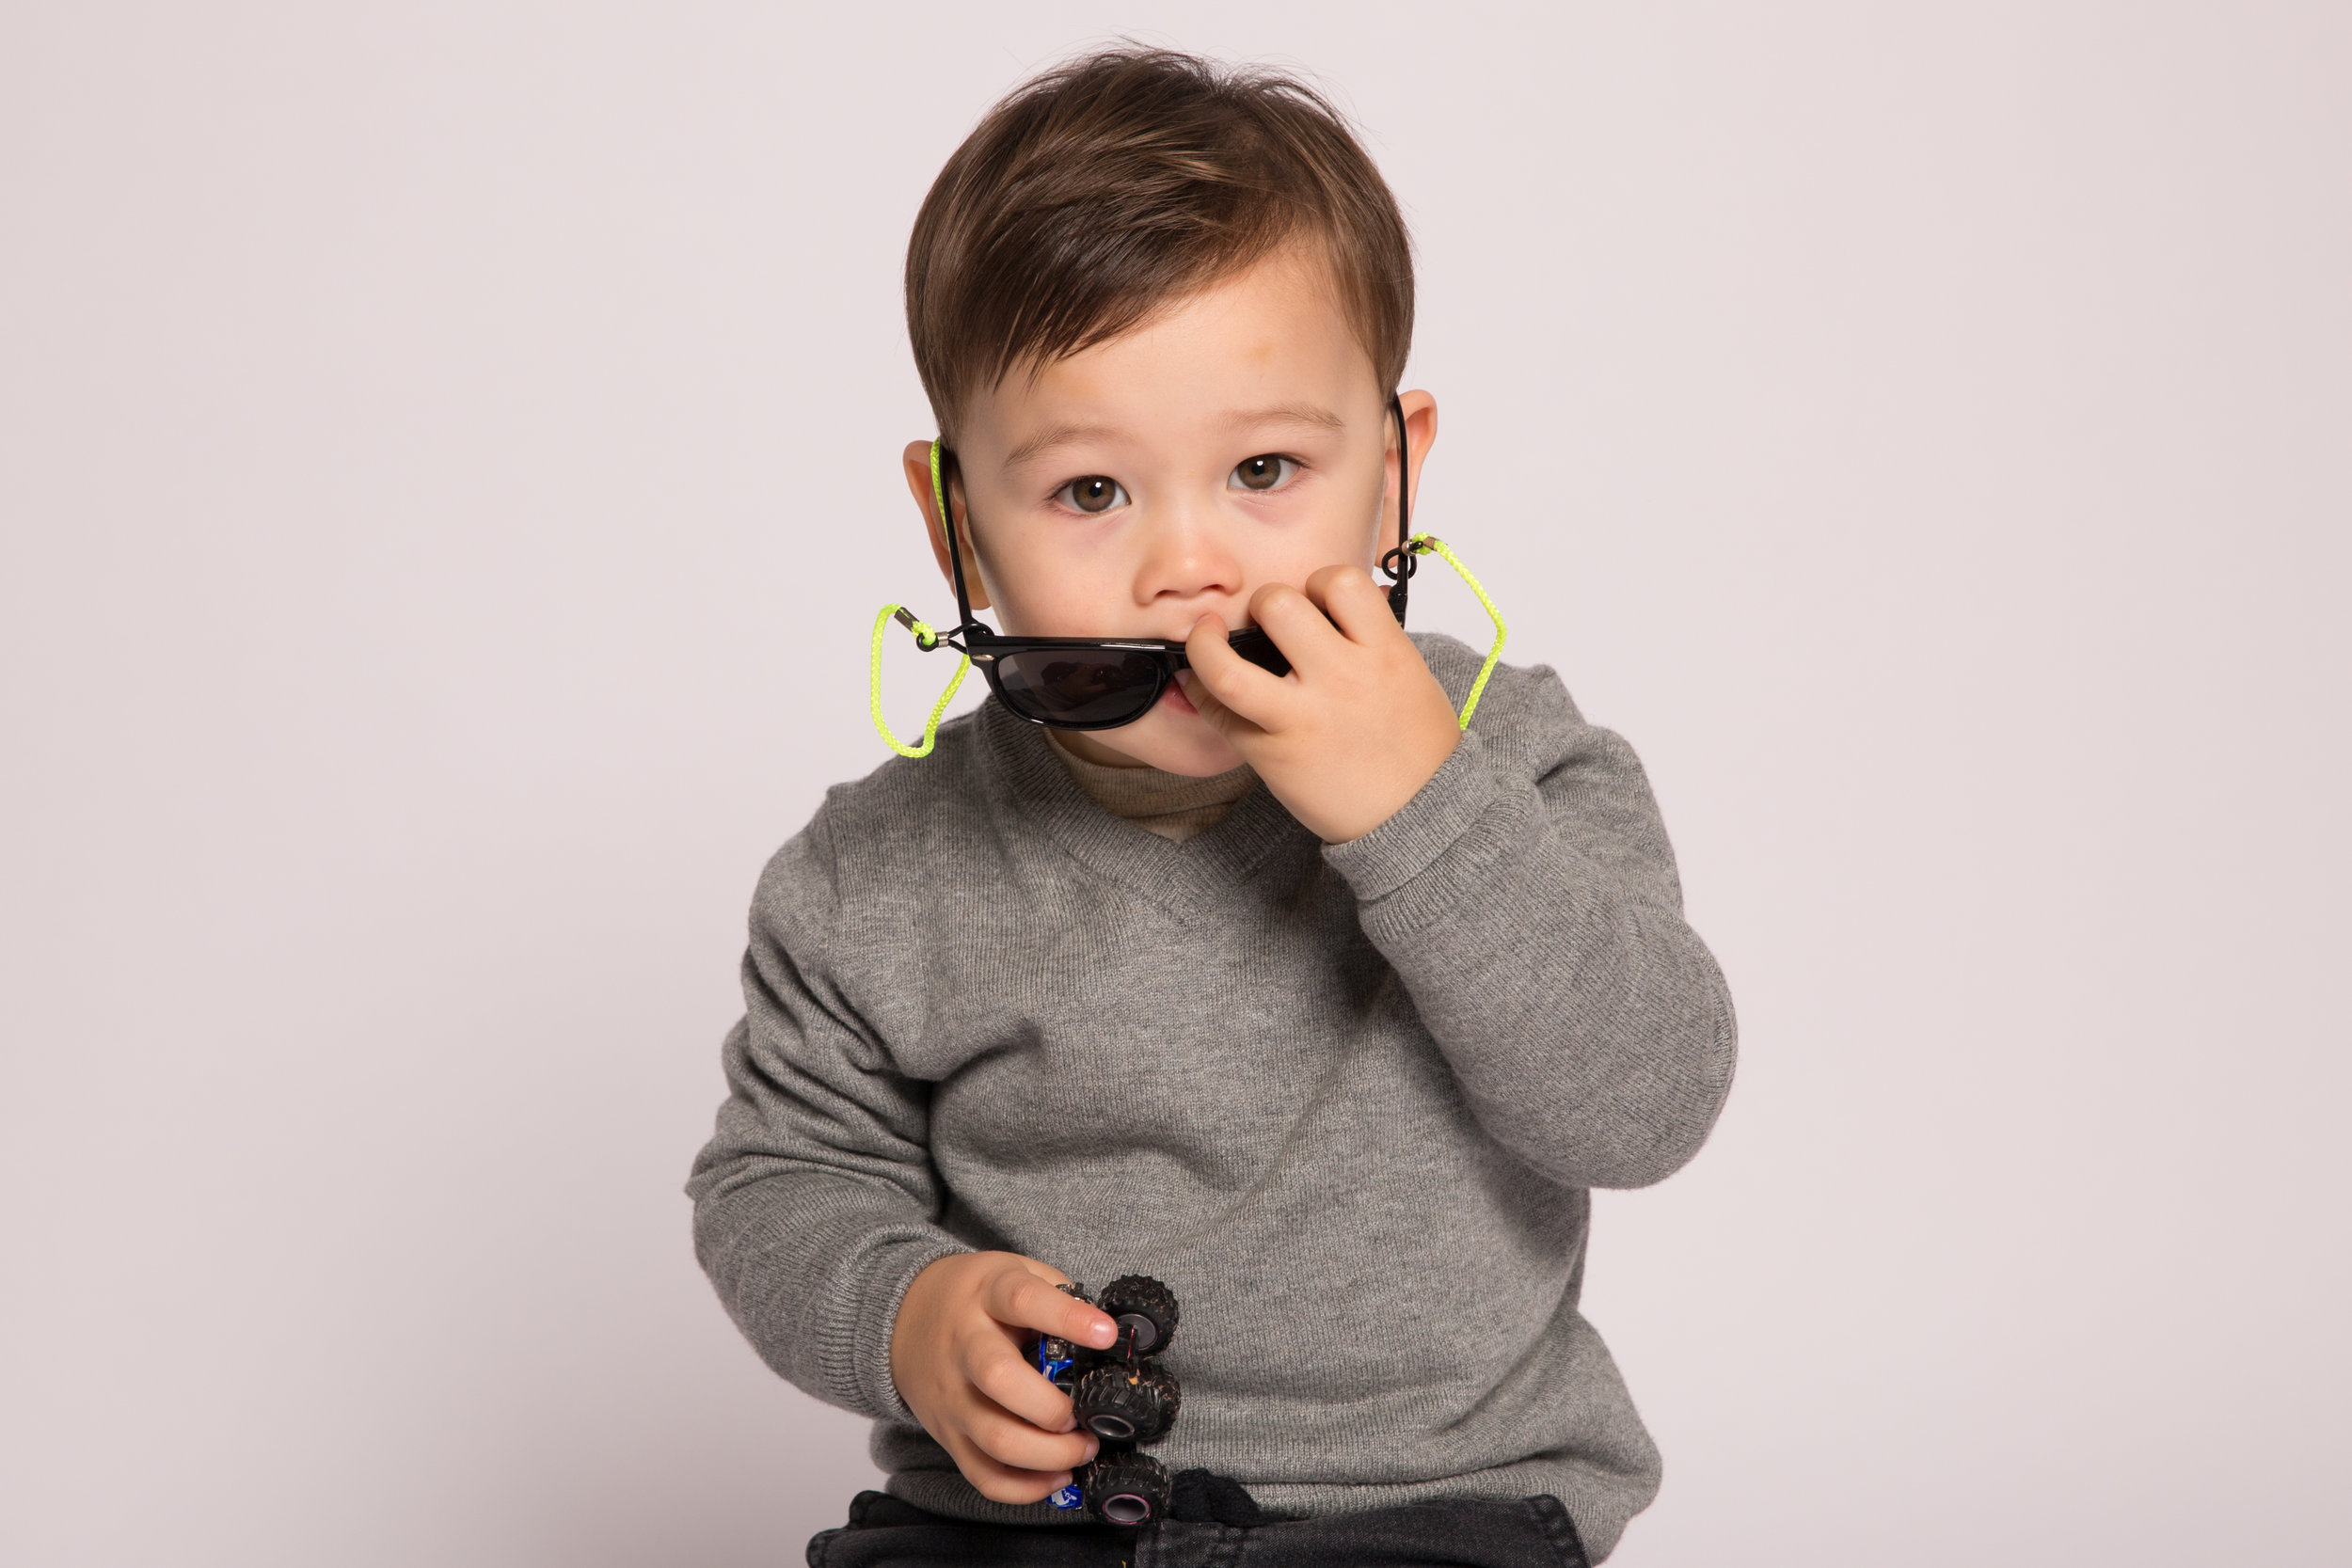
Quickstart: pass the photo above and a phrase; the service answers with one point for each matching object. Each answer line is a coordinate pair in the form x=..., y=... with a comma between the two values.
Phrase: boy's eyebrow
x=1045, y=440
x=1288, y=413
x=1057, y=436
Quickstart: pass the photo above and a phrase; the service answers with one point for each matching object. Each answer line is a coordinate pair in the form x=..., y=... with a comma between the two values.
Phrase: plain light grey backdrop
x=449, y=460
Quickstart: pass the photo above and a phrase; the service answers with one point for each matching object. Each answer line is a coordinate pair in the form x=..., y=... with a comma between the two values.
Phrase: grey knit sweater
x=1347, y=1100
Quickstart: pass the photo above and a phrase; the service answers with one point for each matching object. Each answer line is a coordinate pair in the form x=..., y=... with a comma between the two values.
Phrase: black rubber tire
x=1139, y=1298
x=1119, y=1405
x=1171, y=1394
x=1128, y=1489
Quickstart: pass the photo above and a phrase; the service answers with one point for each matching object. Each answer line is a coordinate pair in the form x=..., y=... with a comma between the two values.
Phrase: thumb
x=1204, y=701
x=1212, y=657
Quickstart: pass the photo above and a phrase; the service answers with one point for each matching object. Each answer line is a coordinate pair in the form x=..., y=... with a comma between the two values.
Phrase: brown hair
x=1125, y=180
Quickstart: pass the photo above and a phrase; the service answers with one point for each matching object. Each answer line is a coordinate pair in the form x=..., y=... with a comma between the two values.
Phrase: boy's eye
x=1264, y=472
x=1094, y=493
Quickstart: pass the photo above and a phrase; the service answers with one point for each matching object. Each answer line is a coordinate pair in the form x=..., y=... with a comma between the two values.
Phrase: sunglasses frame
x=985, y=646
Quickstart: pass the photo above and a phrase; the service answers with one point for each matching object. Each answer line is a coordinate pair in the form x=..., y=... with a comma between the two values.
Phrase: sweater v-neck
x=1031, y=782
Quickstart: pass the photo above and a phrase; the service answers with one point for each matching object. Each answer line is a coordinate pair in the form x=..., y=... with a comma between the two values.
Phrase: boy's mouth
x=1173, y=697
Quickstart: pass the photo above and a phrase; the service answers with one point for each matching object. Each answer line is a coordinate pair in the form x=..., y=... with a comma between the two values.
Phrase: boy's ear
x=1421, y=432
x=918, y=460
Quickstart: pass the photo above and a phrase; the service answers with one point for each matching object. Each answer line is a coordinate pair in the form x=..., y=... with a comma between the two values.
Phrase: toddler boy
x=1291, y=992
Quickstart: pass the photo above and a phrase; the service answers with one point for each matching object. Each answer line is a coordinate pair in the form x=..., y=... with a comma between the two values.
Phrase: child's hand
x=956, y=1356
x=1358, y=727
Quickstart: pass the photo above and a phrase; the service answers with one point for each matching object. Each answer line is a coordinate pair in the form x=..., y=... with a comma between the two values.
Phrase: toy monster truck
x=1124, y=1397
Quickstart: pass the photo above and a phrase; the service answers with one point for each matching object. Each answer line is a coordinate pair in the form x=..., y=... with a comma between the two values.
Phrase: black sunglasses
x=1100, y=683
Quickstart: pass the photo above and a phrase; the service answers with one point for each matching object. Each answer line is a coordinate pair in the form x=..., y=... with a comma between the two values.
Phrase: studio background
x=448, y=467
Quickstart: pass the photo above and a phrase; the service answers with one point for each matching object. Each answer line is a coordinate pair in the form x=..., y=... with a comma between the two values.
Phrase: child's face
x=1237, y=439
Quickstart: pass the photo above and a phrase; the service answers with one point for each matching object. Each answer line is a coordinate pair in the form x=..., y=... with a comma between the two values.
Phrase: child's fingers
x=1297, y=625
x=1019, y=1446
x=1004, y=1375
x=1354, y=604
x=1000, y=1482
x=1253, y=695
x=1024, y=1300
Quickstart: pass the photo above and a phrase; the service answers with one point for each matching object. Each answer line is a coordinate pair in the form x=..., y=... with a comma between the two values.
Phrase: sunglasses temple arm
x=941, y=458
x=1399, y=590
x=1401, y=573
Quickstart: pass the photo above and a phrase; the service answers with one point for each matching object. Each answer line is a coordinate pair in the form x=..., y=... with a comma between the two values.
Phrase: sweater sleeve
x=1527, y=897
x=815, y=1201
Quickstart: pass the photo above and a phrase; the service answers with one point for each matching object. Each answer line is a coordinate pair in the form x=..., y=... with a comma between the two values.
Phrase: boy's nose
x=1187, y=558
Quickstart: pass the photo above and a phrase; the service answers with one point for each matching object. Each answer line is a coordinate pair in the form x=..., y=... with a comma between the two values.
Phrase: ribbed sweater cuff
x=855, y=1349
x=1435, y=848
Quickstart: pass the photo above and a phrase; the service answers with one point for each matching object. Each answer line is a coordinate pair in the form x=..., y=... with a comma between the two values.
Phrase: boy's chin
x=1172, y=737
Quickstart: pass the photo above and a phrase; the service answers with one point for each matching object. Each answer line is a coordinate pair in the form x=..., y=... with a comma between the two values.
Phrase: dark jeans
x=1532, y=1532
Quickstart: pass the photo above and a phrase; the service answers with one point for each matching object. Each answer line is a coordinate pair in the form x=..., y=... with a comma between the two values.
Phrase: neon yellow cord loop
x=1423, y=544
x=926, y=639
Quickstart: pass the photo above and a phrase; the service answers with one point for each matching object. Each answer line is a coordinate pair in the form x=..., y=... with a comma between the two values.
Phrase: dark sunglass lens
x=1258, y=649
x=1066, y=687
